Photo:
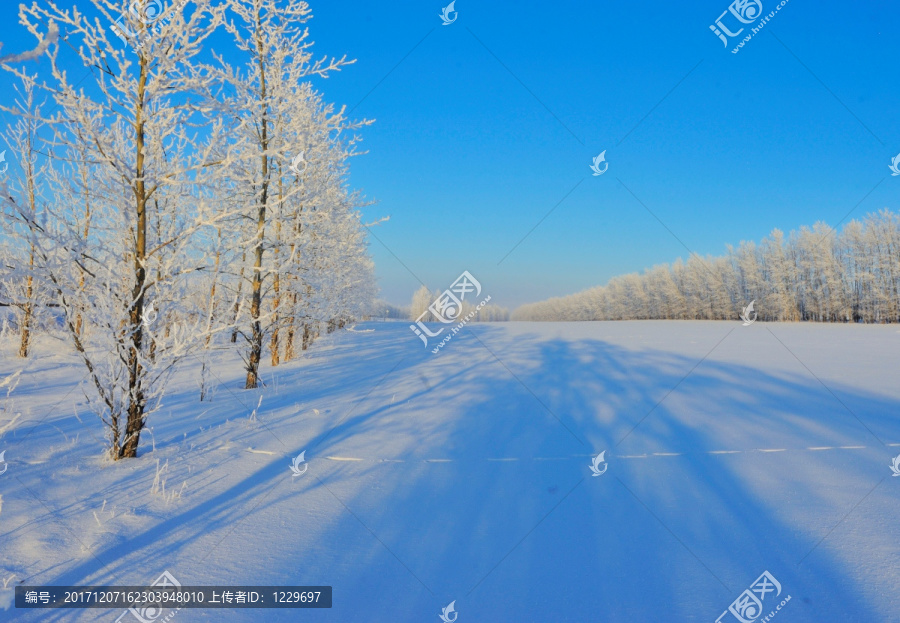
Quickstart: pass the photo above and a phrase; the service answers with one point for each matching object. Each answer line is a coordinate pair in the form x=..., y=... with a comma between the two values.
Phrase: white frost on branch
x=44, y=42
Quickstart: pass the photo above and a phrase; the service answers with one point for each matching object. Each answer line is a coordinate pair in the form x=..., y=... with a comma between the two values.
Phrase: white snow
x=466, y=475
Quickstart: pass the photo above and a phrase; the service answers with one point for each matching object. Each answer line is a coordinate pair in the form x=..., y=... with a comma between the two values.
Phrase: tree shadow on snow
x=477, y=481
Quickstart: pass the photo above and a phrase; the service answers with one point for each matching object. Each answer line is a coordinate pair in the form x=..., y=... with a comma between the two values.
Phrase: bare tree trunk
x=136, y=400
x=29, y=305
x=237, y=299
x=152, y=353
x=82, y=169
x=212, y=291
x=78, y=316
x=289, y=342
x=204, y=364
x=289, y=353
x=256, y=332
x=28, y=308
x=273, y=346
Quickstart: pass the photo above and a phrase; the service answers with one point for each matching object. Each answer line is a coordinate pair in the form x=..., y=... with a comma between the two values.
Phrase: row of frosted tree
x=814, y=274
x=162, y=201
x=423, y=298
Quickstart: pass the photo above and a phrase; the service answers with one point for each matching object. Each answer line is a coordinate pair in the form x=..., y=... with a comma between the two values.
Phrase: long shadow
x=661, y=537
x=218, y=512
x=709, y=528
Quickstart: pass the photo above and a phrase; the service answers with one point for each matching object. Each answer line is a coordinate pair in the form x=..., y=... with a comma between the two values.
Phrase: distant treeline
x=813, y=274
x=382, y=309
x=423, y=298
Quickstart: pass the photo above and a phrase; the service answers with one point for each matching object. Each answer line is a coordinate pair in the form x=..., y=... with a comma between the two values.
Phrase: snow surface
x=466, y=476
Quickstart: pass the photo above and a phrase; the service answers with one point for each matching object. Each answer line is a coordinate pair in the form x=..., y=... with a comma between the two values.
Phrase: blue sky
x=486, y=124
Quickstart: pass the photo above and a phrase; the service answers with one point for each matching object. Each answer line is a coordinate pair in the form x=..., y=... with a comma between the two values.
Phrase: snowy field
x=466, y=476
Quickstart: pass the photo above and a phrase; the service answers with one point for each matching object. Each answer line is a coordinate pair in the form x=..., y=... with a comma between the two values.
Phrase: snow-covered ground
x=465, y=476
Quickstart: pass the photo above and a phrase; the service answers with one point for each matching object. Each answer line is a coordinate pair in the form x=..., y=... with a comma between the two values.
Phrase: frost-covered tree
x=382, y=309
x=813, y=274
x=149, y=157
x=275, y=111
x=170, y=199
x=44, y=41
x=22, y=293
x=421, y=299
x=331, y=279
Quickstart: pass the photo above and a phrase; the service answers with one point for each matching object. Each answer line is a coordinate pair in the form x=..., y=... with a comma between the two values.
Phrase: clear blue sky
x=474, y=143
